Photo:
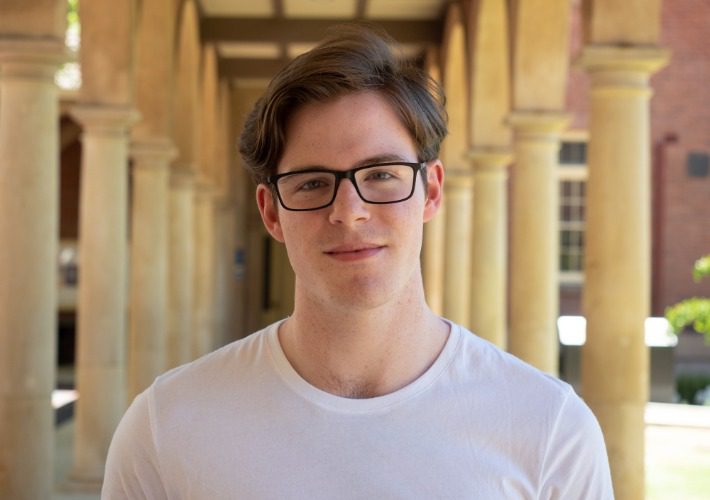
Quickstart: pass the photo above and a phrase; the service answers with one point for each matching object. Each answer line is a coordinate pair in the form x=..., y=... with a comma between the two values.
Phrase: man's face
x=352, y=254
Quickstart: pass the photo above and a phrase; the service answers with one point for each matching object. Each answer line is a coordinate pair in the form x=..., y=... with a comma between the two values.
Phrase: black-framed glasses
x=313, y=189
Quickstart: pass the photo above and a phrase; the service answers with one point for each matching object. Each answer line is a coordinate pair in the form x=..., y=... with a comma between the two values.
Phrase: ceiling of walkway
x=255, y=38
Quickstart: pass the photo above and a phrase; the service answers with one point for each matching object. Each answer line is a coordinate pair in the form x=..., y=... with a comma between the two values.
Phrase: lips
x=354, y=252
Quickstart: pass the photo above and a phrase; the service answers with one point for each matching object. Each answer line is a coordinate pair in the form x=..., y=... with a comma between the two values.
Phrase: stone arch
x=540, y=57
x=454, y=78
x=34, y=18
x=155, y=83
x=224, y=176
x=487, y=24
x=186, y=96
x=107, y=63
x=609, y=22
x=209, y=101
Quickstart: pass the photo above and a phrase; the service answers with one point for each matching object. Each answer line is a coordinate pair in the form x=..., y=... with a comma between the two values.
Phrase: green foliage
x=688, y=386
x=701, y=268
x=72, y=12
x=693, y=312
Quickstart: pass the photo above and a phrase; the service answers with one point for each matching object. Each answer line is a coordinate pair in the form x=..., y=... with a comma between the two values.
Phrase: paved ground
x=677, y=454
x=63, y=454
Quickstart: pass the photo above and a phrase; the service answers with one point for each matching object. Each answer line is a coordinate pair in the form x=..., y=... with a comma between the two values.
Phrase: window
x=573, y=184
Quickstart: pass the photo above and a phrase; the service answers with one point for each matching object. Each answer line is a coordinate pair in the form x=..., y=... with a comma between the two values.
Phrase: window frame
x=570, y=172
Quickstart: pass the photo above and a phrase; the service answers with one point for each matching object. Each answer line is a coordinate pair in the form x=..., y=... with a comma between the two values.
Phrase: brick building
x=680, y=131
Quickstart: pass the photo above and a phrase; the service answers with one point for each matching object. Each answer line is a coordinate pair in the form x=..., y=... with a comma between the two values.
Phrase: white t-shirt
x=240, y=423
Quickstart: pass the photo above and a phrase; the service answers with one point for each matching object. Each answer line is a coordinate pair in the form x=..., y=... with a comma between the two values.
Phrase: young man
x=363, y=392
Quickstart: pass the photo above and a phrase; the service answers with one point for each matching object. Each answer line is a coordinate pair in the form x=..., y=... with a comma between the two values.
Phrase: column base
x=80, y=485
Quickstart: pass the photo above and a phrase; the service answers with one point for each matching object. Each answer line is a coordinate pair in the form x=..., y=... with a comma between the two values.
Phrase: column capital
x=105, y=119
x=204, y=187
x=459, y=179
x=622, y=69
x=182, y=176
x=493, y=160
x=31, y=58
x=225, y=202
x=538, y=125
x=154, y=153
x=640, y=59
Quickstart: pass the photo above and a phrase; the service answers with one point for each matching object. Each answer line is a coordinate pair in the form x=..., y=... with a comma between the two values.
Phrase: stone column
x=237, y=259
x=101, y=339
x=615, y=374
x=534, y=294
x=224, y=276
x=181, y=262
x=256, y=244
x=457, y=267
x=203, y=340
x=149, y=263
x=29, y=199
x=433, y=252
x=489, y=261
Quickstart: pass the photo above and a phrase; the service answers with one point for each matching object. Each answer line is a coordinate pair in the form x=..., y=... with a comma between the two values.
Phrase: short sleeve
x=576, y=463
x=132, y=466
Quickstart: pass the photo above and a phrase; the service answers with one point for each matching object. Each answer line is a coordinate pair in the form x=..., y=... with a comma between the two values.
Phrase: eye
x=380, y=175
x=305, y=183
x=312, y=184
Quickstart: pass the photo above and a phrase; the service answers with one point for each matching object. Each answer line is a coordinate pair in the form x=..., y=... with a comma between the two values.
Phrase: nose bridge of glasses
x=348, y=206
x=351, y=198
x=349, y=175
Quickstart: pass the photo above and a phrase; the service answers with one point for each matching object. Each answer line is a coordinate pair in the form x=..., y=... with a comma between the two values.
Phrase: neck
x=363, y=352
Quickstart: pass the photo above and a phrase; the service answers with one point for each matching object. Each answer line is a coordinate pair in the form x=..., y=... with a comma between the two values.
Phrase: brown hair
x=353, y=58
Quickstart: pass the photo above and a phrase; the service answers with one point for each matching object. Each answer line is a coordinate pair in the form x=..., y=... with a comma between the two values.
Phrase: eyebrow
x=370, y=160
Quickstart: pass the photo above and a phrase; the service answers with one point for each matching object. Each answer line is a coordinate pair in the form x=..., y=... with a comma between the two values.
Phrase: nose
x=348, y=208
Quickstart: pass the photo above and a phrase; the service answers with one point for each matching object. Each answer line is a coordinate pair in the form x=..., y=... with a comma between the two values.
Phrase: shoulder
x=552, y=426
x=222, y=378
x=210, y=372
x=511, y=377
x=515, y=398
x=133, y=468
x=162, y=419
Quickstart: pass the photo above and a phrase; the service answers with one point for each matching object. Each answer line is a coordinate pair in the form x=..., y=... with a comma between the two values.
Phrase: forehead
x=345, y=131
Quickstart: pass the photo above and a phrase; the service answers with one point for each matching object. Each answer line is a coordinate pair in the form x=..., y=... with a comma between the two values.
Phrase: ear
x=269, y=212
x=435, y=189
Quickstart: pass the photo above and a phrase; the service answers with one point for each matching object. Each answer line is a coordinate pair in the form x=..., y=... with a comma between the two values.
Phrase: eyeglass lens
x=376, y=184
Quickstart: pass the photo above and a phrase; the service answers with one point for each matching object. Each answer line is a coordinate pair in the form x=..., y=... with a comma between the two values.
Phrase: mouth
x=354, y=252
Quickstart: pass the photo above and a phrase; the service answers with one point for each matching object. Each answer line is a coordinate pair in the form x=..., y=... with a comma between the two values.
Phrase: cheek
x=299, y=239
x=409, y=225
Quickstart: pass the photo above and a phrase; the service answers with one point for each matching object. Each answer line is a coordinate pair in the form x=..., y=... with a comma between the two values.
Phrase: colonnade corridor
x=133, y=181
